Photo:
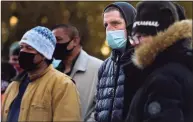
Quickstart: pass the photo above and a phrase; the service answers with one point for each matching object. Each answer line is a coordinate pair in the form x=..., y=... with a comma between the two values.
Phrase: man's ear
x=43, y=57
x=129, y=30
x=76, y=41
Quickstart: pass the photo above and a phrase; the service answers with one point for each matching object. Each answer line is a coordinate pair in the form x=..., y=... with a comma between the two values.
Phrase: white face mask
x=116, y=39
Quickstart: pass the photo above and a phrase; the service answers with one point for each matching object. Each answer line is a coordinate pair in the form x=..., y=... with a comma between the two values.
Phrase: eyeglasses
x=137, y=37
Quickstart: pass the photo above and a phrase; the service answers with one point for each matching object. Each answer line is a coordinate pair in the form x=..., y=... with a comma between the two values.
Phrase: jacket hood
x=127, y=10
x=145, y=54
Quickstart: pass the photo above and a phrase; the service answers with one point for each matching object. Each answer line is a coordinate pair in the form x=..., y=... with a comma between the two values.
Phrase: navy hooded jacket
x=110, y=89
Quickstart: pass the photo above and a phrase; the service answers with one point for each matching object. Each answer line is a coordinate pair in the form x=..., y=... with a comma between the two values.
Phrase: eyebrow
x=58, y=37
x=113, y=22
x=29, y=47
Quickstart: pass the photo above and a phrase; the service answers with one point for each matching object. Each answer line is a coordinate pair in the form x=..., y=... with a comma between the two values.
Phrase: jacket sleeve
x=101, y=69
x=13, y=86
x=3, y=102
x=66, y=103
x=100, y=72
x=164, y=100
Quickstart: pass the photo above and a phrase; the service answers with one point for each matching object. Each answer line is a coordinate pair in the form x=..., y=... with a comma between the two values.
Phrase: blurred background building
x=18, y=17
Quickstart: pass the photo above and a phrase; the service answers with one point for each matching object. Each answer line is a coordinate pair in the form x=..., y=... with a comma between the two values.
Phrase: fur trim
x=146, y=53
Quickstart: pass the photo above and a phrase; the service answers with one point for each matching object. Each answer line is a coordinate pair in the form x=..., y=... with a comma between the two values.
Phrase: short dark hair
x=14, y=49
x=113, y=8
x=73, y=31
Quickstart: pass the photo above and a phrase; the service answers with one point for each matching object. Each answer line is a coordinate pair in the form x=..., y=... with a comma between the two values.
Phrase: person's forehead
x=27, y=46
x=24, y=44
x=57, y=30
x=60, y=32
x=112, y=16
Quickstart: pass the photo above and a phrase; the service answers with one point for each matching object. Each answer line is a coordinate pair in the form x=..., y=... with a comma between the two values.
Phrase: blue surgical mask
x=116, y=39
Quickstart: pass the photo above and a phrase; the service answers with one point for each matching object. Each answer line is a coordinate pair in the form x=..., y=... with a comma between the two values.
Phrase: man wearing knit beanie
x=111, y=96
x=44, y=94
x=162, y=38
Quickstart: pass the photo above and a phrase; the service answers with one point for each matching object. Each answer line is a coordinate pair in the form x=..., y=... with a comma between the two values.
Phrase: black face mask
x=61, y=51
x=26, y=61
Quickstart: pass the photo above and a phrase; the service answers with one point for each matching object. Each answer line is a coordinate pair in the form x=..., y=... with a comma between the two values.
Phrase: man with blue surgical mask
x=117, y=18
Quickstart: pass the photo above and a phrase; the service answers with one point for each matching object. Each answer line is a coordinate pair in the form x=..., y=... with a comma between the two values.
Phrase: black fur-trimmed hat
x=181, y=11
x=154, y=16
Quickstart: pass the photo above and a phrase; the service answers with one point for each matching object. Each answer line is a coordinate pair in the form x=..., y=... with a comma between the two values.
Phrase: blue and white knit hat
x=42, y=39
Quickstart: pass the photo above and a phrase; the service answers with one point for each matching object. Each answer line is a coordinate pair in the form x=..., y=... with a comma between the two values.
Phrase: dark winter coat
x=162, y=84
x=111, y=87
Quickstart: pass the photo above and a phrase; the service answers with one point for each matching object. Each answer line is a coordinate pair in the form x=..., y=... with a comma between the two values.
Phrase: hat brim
x=145, y=30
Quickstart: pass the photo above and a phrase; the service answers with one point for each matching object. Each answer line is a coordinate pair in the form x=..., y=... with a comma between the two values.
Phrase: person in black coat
x=161, y=73
x=7, y=73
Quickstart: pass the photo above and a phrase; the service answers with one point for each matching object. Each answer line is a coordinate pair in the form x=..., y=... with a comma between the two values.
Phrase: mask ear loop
x=71, y=41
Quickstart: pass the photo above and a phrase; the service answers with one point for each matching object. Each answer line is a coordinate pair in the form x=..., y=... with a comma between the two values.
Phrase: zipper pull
x=117, y=59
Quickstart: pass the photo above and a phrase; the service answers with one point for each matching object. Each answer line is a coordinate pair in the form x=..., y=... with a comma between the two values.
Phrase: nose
x=22, y=50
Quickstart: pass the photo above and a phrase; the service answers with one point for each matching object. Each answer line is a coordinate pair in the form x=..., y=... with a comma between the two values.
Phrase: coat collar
x=20, y=77
x=81, y=63
x=145, y=54
x=36, y=76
